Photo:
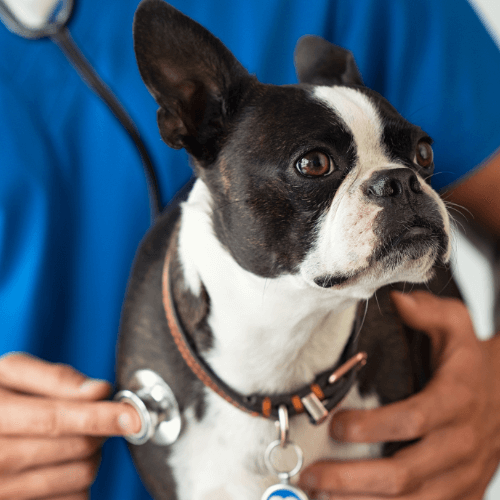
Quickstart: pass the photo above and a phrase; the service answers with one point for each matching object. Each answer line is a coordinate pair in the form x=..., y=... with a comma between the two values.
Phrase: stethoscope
x=48, y=19
x=148, y=393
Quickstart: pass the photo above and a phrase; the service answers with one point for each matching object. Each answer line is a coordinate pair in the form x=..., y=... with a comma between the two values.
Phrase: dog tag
x=280, y=491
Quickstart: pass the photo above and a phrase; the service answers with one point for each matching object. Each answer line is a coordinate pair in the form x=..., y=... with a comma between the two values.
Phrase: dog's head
x=323, y=179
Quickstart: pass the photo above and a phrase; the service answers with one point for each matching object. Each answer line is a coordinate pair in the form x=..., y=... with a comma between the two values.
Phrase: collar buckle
x=314, y=406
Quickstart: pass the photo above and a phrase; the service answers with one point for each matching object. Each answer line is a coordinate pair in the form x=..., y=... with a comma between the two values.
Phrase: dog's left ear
x=319, y=62
x=194, y=78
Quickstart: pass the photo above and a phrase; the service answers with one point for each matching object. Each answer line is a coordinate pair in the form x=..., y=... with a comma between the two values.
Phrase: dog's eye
x=424, y=154
x=315, y=164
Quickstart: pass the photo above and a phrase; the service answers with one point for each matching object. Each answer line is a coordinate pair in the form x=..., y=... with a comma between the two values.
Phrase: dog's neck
x=269, y=335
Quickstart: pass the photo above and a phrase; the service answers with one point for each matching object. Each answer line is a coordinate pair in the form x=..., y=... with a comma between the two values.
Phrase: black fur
x=194, y=78
x=265, y=211
x=321, y=63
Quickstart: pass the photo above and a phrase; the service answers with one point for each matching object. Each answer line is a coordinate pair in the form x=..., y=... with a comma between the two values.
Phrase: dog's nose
x=393, y=183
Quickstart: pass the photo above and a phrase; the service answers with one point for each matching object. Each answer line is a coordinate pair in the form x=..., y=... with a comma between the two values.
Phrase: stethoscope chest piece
x=155, y=402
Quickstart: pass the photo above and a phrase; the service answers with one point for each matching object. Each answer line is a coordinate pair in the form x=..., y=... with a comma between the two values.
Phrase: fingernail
x=125, y=422
x=91, y=383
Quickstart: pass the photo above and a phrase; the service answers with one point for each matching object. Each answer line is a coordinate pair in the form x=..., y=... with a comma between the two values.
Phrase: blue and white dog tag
x=280, y=491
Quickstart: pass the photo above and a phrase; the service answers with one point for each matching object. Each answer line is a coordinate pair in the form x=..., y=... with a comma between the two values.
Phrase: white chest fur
x=222, y=457
x=270, y=335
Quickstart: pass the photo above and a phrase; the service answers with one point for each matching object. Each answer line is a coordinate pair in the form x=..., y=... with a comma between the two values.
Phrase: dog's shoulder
x=145, y=342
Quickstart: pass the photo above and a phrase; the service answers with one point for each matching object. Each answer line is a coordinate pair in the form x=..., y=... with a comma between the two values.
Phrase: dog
x=308, y=199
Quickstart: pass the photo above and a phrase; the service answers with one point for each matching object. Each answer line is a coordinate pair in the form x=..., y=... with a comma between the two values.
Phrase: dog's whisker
x=455, y=222
x=267, y=282
x=441, y=173
x=450, y=279
x=454, y=206
x=378, y=303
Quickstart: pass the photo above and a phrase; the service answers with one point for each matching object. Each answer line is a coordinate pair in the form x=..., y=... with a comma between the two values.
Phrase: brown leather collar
x=327, y=390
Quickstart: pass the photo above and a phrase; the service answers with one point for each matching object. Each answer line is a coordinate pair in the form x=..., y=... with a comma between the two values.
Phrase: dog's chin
x=407, y=256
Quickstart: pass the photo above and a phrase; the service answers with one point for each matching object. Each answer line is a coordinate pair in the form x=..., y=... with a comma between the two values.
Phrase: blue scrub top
x=73, y=197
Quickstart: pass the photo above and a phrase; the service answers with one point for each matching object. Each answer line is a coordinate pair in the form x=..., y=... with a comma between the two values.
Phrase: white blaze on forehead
x=362, y=119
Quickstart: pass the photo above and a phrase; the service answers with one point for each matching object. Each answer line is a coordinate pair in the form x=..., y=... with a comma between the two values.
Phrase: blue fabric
x=73, y=199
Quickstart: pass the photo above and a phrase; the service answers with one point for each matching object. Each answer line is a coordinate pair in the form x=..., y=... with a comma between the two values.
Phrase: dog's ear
x=321, y=63
x=194, y=78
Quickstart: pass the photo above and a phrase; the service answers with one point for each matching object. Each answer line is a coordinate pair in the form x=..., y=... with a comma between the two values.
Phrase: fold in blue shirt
x=73, y=197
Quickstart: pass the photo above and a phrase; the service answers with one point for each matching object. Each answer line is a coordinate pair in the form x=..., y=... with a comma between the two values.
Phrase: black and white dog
x=308, y=199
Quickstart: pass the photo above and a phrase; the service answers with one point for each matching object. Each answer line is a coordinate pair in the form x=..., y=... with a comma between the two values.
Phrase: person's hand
x=51, y=428
x=456, y=418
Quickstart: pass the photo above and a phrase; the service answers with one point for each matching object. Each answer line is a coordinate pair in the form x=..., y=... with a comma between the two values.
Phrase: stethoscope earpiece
x=35, y=20
x=48, y=19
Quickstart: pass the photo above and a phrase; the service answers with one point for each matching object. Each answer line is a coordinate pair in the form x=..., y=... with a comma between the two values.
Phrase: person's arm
x=52, y=424
x=480, y=195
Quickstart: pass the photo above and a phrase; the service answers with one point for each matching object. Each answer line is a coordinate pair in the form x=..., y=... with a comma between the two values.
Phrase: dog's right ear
x=319, y=62
x=194, y=78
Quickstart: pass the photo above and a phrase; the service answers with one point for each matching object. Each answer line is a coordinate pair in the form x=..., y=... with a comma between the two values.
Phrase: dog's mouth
x=415, y=240
x=330, y=280
x=416, y=231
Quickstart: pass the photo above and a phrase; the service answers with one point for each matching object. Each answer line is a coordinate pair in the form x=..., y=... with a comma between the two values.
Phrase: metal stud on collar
x=357, y=361
x=157, y=407
x=314, y=405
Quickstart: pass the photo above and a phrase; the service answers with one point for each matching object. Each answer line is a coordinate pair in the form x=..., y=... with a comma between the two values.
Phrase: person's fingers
x=443, y=400
x=451, y=460
x=50, y=482
x=384, y=478
x=34, y=416
x=18, y=454
x=402, y=421
x=438, y=452
x=438, y=496
x=28, y=374
x=84, y=495
x=360, y=477
x=443, y=319
x=449, y=394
